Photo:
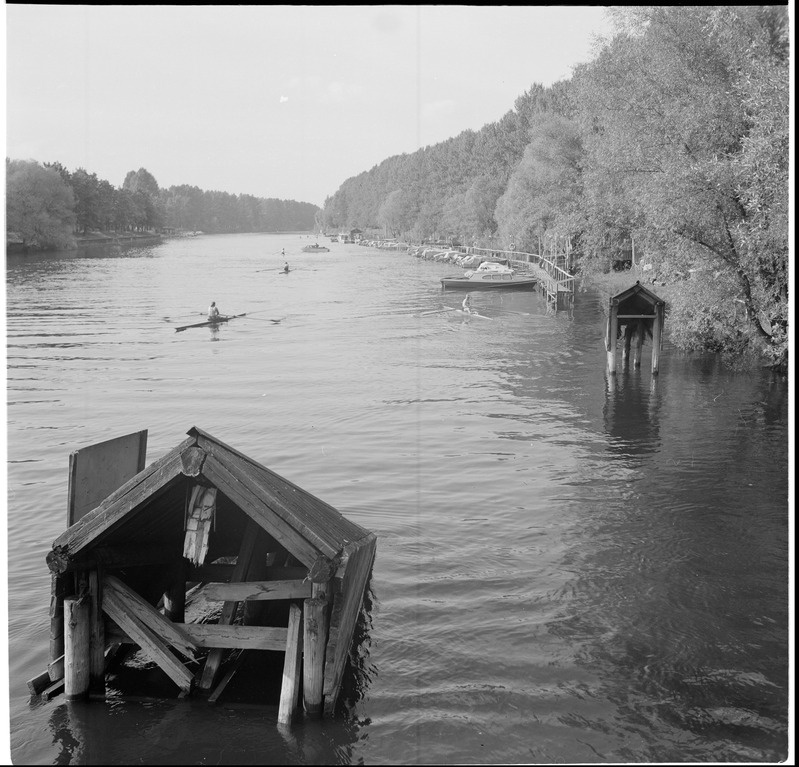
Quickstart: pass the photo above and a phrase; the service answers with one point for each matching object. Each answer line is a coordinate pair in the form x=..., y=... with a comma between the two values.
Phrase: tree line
x=47, y=207
x=676, y=135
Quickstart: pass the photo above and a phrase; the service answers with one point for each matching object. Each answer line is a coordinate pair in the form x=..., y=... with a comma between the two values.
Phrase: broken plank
x=149, y=616
x=150, y=644
x=257, y=590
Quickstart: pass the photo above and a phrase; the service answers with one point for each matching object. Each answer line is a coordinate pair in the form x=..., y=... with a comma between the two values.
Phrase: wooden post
x=97, y=636
x=657, y=335
x=57, y=590
x=314, y=641
x=613, y=331
x=625, y=350
x=76, y=647
x=175, y=595
x=639, y=343
x=290, y=689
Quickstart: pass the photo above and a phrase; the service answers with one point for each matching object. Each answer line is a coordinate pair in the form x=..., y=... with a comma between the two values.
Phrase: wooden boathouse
x=285, y=572
x=634, y=314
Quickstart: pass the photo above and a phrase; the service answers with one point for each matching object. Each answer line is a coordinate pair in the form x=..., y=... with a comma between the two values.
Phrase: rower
x=467, y=307
x=286, y=267
x=213, y=311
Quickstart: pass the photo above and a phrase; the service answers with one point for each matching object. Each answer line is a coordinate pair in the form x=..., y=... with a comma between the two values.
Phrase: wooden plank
x=249, y=502
x=144, y=612
x=214, y=636
x=214, y=659
x=225, y=681
x=38, y=684
x=55, y=669
x=347, y=607
x=290, y=685
x=150, y=644
x=97, y=470
x=257, y=590
x=56, y=688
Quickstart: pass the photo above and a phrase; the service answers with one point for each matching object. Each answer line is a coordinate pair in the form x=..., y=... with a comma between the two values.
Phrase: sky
x=272, y=101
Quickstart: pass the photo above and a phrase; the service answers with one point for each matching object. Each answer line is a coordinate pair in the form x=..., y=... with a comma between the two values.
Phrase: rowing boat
x=210, y=323
x=470, y=314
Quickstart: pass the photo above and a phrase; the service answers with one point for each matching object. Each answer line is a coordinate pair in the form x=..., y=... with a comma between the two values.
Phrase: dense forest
x=676, y=134
x=47, y=207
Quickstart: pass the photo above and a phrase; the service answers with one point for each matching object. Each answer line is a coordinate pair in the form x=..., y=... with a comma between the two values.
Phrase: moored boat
x=490, y=276
x=317, y=248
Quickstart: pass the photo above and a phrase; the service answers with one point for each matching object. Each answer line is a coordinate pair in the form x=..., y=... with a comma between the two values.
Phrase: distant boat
x=489, y=276
x=317, y=248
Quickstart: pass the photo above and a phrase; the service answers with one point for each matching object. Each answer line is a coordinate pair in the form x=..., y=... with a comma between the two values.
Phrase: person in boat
x=213, y=311
x=283, y=252
x=467, y=304
x=286, y=268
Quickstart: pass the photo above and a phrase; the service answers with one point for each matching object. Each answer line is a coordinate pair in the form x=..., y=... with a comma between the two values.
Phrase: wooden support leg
x=97, y=636
x=57, y=591
x=77, y=614
x=175, y=595
x=613, y=331
x=657, y=332
x=625, y=352
x=290, y=690
x=214, y=659
x=639, y=344
x=314, y=641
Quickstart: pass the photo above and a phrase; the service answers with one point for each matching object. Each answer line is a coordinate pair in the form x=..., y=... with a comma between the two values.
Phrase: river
x=568, y=569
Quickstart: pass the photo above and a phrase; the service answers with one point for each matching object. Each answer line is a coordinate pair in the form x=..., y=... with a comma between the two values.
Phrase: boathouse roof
x=150, y=510
x=636, y=299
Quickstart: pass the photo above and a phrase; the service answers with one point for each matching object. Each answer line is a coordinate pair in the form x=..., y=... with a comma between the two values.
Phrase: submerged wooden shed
x=635, y=313
x=286, y=569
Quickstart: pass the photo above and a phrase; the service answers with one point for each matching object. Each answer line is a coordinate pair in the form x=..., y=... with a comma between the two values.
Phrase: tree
x=543, y=197
x=39, y=205
x=85, y=187
x=684, y=116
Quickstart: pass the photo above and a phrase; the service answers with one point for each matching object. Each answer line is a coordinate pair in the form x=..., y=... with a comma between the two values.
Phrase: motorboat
x=490, y=275
x=317, y=248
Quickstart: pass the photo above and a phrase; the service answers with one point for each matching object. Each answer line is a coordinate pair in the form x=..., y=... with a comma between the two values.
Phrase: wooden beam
x=212, y=635
x=38, y=684
x=344, y=618
x=290, y=686
x=214, y=659
x=635, y=316
x=220, y=688
x=257, y=590
x=145, y=613
x=151, y=645
x=57, y=593
x=97, y=635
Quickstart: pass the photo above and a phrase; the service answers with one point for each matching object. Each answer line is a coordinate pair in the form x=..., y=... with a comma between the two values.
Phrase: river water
x=568, y=569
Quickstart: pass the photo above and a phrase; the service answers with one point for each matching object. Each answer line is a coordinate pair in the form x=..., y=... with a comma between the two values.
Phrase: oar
x=438, y=311
x=511, y=311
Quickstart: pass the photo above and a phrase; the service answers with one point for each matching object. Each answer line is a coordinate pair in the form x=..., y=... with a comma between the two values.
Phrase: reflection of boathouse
x=203, y=553
x=634, y=314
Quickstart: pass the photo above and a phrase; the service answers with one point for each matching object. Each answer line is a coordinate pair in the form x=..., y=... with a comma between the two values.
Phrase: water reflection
x=632, y=412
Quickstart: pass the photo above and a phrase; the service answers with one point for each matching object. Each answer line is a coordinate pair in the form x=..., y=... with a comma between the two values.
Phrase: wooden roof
x=639, y=294
x=310, y=529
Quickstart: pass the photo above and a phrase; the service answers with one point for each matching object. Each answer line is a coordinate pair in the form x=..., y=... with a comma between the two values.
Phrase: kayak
x=210, y=323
